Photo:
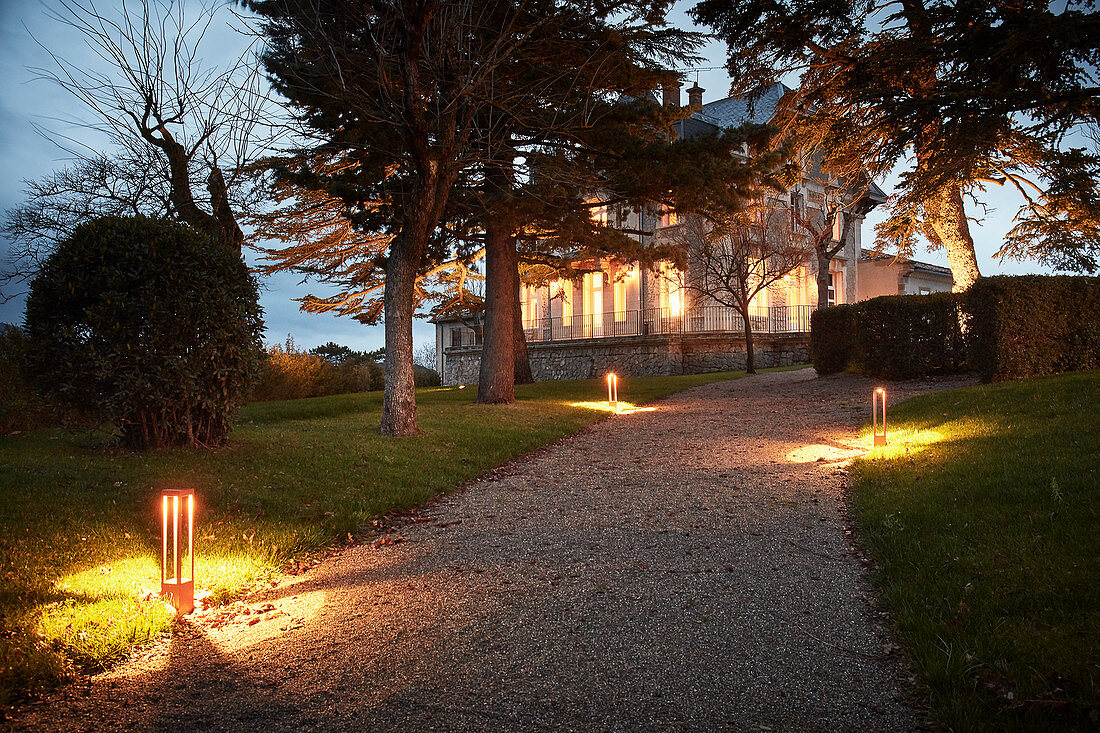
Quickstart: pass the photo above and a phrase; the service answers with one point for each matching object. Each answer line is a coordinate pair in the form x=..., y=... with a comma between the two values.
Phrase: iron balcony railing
x=653, y=321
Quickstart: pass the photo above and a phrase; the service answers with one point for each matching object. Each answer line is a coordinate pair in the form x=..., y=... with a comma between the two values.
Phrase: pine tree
x=968, y=94
x=388, y=94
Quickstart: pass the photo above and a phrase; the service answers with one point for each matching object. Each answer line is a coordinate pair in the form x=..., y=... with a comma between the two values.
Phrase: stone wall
x=640, y=356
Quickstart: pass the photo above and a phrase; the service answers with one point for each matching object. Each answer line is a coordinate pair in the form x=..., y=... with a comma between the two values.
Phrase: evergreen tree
x=388, y=94
x=971, y=94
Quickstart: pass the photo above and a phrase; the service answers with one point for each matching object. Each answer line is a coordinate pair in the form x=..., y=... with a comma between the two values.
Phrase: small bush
x=291, y=374
x=831, y=338
x=148, y=324
x=1027, y=325
x=425, y=376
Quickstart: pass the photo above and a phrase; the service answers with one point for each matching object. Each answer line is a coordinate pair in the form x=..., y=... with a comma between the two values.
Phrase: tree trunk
x=398, y=395
x=522, y=367
x=750, y=361
x=946, y=218
x=496, y=379
x=822, y=279
x=221, y=226
x=223, y=223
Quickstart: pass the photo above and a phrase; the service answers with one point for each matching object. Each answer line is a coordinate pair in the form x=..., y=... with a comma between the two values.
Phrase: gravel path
x=681, y=568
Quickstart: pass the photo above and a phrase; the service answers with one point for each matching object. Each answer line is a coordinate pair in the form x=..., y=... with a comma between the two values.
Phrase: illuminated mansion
x=639, y=321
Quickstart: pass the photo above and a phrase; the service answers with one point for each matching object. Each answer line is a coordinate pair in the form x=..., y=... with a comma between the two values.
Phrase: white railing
x=654, y=321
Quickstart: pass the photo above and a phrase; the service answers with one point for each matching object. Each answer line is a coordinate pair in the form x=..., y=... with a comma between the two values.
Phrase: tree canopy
x=439, y=124
x=388, y=95
x=967, y=95
x=175, y=133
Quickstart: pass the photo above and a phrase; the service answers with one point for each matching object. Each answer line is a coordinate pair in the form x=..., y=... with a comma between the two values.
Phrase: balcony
x=653, y=322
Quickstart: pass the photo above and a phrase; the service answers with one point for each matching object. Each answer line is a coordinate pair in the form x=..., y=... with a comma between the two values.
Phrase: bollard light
x=178, y=508
x=878, y=424
x=613, y=391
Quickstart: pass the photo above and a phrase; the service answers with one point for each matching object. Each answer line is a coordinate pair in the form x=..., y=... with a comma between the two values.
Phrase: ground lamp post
x=878, y=408
x=177, y=507
x=613, y=391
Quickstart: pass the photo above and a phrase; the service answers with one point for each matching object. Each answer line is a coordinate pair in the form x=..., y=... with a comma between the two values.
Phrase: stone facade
x=640, y=356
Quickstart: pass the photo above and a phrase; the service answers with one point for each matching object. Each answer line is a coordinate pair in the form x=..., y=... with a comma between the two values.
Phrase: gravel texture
x=682, y=568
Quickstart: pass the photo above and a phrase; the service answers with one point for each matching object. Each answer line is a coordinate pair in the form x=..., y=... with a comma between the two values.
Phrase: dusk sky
x=26, y=101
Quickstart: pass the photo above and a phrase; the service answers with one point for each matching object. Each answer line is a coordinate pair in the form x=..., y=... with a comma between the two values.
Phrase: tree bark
x=945, y=217
x=223, y=223
x=750, y=361
x=496, y=377
x=522, y=367
x=399, y=395
x=221, y=226
x=822, y=279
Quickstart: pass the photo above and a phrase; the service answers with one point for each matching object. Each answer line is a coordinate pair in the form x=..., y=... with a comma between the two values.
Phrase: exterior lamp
x=177, y=506
x=878, y=407
x=613, y=391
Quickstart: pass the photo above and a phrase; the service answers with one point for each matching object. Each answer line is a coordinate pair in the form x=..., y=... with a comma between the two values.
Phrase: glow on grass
x=108, y=608
x=904, y=441
x=135, y=577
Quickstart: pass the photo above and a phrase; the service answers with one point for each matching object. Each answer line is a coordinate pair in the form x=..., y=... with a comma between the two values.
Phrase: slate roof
x=736, y=111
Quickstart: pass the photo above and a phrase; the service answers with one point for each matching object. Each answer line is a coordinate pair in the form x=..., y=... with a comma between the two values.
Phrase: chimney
x=695, y=95
x=671, y=93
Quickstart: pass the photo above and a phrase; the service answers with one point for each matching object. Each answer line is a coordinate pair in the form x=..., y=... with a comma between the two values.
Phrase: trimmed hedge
x=893, y=337
x=831, y=334
x=1004, y=327
x=1027, y=325
x=903, y=336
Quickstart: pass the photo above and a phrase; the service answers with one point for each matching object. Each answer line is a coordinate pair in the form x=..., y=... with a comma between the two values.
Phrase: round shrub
x=20, y=407
x=150, y=326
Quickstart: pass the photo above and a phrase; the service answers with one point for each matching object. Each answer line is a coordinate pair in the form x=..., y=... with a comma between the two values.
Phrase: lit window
x=620, y=299
x=529, y=306
x=565, y=287
x=599, y=214
x=670, y=291
x=669, y=219
x=593, y=304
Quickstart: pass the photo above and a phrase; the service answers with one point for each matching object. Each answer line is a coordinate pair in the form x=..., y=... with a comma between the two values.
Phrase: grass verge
x=79, y=526
x=982, y=517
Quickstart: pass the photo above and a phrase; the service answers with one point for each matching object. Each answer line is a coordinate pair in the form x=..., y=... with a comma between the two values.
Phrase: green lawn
x=982, y=517
x=79, y=529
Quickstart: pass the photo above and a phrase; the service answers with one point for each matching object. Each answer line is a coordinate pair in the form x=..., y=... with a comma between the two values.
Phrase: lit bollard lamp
x=878, y=416
x=613, y=391
x=178, y=507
